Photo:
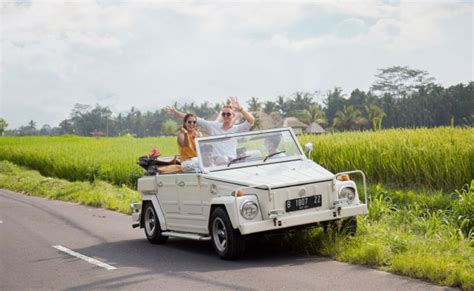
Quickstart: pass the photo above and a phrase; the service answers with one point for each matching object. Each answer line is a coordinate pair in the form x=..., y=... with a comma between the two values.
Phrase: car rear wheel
x=152, y=225
x=227, y=241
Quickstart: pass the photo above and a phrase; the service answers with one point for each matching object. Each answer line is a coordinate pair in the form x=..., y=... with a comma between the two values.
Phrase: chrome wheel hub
x=219, y=234
x=150, y=221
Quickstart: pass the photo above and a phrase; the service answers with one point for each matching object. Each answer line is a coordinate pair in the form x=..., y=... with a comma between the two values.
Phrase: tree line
x=400, y=97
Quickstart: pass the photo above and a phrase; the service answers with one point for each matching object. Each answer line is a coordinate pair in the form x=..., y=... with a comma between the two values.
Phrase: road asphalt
x=34, y=232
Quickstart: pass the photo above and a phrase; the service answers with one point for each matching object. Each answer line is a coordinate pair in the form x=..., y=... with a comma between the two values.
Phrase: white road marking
x=1, y=221
x=85, y=258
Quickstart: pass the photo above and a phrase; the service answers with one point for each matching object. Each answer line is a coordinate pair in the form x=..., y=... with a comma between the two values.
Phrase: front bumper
x=292, y=219
x=136, y=209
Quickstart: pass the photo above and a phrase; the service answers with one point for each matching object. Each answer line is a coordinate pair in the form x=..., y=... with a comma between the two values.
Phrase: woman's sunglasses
x=191, y=121
x=228, y=114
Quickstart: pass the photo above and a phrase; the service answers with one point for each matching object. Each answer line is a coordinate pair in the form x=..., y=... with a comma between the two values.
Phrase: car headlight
x=347, y=193
x=248, y=209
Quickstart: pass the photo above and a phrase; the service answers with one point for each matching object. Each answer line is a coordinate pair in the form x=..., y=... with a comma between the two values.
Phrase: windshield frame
x=250, y=163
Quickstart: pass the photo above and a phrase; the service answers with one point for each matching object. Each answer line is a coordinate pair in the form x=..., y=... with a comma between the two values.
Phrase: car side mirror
x=308, y=148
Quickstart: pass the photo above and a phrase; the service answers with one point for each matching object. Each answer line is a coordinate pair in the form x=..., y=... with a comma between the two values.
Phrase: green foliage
x=311, y=114
x=254, y=104
x=169, y=127
x=438, y=158
x=97, y=194
x=402, y=234
x=349, y=118
x=434, y=158
x=3, y=125
x=400, y=81
x=84, y=159
x=463, y=210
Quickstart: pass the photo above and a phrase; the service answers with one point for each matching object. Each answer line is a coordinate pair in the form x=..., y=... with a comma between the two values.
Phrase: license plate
x=303, y=203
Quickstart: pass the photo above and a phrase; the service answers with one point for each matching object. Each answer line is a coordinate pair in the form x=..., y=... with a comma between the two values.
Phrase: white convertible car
x=243, y=184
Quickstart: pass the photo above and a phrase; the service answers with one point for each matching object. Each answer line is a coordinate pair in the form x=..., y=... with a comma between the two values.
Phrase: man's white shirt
x=226, y=148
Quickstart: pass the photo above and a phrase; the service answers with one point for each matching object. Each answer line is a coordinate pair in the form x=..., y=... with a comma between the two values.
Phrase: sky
x=149, y=54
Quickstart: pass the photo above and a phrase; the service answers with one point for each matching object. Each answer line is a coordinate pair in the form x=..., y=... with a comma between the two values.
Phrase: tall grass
x=96, y=194
x=84, y=159
x=406, y=238
x=440, y=158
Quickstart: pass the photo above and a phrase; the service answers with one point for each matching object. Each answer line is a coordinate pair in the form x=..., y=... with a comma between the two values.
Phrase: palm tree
x=282, y=105
x=375, y=114
x=317, y=115
x=349, y=118
x=269, y=107
x=302, y=101
x=254, y=104
x=257, y=123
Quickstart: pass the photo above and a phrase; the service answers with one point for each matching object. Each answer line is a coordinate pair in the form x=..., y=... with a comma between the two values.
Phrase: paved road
x=31, y=226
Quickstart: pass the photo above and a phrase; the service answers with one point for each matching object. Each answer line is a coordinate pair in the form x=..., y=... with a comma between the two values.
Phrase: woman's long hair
x=185, y=120
x=186, y=117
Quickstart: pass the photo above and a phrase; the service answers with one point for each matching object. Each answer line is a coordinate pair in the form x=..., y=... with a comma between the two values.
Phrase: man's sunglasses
x=191, y=121
x=228, y=114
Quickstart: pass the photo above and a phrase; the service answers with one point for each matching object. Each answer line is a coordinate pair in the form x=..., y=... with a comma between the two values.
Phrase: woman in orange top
x=186, y=144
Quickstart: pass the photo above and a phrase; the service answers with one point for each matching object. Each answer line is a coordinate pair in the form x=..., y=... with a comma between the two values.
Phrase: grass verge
x=97, y=193
x=424, y=235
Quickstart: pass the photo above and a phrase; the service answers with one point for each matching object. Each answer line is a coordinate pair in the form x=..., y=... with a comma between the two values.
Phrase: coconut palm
x=312, y=114
x=375, y=114
x=269, y=107
x=282, y=105
x=349, y=118
x=254, y=104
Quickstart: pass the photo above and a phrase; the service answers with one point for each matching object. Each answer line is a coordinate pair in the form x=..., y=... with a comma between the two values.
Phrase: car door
x=168, y=199
x=190, y=201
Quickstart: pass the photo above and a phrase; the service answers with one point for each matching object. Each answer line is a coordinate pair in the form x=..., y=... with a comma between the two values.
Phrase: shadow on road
x=181, y=258
x=179, y=255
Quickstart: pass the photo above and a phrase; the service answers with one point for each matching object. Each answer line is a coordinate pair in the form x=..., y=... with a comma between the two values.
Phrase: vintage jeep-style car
x=240, y=185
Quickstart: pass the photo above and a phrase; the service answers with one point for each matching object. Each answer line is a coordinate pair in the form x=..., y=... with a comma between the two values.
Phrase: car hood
x=275, y=175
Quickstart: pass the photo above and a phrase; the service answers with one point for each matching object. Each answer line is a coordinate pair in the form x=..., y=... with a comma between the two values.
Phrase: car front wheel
x=227, y=241
x=152, y=225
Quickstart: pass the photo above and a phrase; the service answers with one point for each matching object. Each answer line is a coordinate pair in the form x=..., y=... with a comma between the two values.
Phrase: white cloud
x=403, y=27
x=45, y=36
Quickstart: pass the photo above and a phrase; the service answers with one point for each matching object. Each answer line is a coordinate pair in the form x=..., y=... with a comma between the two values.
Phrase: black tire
x=349, y=226
x=151, y=224
x=227, y=241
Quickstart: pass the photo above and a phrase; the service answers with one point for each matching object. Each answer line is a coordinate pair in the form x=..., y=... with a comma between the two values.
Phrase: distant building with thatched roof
x=297, y=126
x=315, y=128
x=266, y=121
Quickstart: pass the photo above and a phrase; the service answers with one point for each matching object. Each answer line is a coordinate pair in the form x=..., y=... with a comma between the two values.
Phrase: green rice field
x=441, y=158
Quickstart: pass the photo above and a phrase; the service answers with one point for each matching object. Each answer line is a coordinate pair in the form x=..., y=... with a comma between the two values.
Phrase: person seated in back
x=186, y=136
x=271, y=144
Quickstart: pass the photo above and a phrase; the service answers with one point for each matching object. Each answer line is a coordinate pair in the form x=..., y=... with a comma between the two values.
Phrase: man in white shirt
x=227, y=148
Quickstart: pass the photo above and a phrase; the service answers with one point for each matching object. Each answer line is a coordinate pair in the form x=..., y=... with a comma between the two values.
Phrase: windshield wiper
x=271, y=155
x=237, y=159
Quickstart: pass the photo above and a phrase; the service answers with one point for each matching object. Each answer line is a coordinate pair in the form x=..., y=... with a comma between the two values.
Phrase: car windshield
x=221, y=152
